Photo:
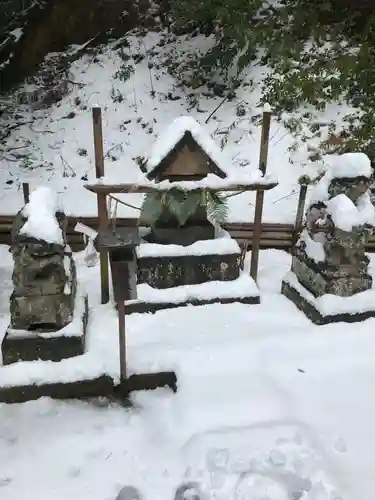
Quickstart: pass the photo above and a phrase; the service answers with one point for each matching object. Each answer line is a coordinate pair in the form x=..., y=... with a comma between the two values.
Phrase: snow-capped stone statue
x=329, y=257
x=43, y=302
x=44, y=275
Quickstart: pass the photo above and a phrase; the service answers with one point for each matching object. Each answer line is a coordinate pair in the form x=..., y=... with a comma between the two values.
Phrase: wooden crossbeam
x=139, y=188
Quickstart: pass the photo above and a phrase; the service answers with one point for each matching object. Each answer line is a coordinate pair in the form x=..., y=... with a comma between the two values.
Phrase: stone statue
x=330, y=254
x=44, y=275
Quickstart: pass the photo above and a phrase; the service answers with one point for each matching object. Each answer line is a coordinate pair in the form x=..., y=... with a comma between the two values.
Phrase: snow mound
x=346, y=215
x=347, y=165
x=314, y=248
x=41, y=216
x=350, y=165
x=172, y=135
x=217, y=246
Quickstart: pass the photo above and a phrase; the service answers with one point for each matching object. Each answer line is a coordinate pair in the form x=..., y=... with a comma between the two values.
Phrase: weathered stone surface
x=167, y=272
x=184, y=236
x=44, y=275
x=329, y=257
x=21, y=345
x=315, y=315
x=41, y=312
x=321, y=278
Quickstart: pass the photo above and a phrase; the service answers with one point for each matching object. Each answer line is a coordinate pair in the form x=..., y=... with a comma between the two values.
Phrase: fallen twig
x=80, y=84
x=67, y=166
x=217, y=107
x=40, y=131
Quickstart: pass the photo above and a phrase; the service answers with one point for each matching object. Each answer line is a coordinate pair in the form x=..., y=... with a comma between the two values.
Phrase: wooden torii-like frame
x=102, y=190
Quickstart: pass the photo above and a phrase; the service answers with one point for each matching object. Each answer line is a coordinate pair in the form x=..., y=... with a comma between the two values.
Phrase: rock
x=129, y=493
x=188, y=491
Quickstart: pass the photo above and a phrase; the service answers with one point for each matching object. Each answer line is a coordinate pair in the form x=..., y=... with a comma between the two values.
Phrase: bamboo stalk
x=102, y=202
x=263, y=156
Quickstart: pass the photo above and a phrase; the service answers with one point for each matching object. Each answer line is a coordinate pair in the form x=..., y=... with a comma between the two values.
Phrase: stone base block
x=47, y=312
x=103, y=386
x=176, y=270
x=321, y=279
x=24, y=345
x=312, y=307
x=149, y=300
x=153, y=307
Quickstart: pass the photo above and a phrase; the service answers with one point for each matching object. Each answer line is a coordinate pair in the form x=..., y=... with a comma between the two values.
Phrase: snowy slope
x=261, y=389
x=57, y=148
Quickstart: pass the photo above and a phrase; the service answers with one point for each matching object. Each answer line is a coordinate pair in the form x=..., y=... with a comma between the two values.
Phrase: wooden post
x=122, y=339
x=26, y=192
x=102, y=201
x=299, y=215
x=263, y=156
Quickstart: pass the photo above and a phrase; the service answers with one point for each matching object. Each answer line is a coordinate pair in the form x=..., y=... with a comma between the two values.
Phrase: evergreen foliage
x=183, y=205
x=318, y=52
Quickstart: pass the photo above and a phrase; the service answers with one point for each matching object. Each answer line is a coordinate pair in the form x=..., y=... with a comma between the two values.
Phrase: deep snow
x=261, y=389
x=268, y=404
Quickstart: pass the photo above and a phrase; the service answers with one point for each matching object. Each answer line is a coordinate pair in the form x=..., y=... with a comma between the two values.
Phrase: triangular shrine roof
x=180, y=130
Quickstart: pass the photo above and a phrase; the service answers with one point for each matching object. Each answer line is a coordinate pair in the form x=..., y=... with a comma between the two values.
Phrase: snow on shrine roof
x=41, y=220
x=173, y=134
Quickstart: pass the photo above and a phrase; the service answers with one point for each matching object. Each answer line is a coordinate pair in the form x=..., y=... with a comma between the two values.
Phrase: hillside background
x=146, y=63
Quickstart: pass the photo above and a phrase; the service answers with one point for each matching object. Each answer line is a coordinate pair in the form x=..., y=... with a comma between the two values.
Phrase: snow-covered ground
x=268, y=404
x=57, y=148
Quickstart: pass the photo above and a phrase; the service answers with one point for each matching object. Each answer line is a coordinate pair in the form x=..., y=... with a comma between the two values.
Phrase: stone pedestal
x=321, y=310
x=44, y=344
x=320, y=278
x=41, y=312
x=207, y=272
x=168, y=272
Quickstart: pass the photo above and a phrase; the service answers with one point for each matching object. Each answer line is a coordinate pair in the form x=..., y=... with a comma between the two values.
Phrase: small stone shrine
x=329, y=279
x=185, y=244
x=48, y=315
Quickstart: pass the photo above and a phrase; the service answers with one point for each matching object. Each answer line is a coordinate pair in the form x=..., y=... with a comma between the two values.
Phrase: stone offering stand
x=182, y=258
